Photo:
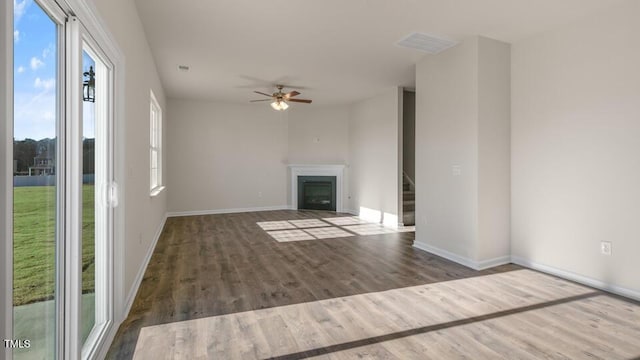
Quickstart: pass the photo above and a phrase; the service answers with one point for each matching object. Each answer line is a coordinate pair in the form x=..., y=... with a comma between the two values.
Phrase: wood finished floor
x=219, y=286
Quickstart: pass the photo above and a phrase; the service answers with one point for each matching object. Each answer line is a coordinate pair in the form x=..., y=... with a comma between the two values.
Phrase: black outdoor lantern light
x=89, y=85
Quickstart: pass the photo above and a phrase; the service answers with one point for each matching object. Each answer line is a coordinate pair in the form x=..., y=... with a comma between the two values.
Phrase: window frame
x=155, y=146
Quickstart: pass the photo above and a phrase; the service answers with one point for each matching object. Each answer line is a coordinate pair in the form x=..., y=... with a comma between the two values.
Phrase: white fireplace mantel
x=317, y=170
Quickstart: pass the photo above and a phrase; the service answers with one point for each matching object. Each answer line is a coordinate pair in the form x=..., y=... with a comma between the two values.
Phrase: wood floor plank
x=521, y=335
x=373, y=352
x=596, y=333
x=298, y=319
x=255, y=345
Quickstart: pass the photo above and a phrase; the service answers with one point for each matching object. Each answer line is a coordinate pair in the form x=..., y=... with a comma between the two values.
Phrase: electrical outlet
x=605, y=248
x=259, y=194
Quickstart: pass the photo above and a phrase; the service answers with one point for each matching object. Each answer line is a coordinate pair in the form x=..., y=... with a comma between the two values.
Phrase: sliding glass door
x=62, y=176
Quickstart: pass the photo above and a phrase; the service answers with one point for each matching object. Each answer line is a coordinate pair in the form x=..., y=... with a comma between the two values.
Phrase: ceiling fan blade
x=291, y=94
x=260, y=100
x=261, y=93
x=300, y=101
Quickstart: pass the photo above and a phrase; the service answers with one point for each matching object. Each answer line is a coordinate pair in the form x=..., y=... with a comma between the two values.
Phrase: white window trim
x=155, y=144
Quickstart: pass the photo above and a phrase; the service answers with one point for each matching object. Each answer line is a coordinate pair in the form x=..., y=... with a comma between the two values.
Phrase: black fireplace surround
x=317, y=192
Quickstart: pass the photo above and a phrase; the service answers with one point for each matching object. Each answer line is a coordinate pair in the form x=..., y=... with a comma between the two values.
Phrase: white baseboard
x=138, y=280
x=476, y=265
x=227, y=211
x=241, y=210
x=568, y=275
x=351, y=211
x=598, y=284
x=486, y=264
x=445, y=254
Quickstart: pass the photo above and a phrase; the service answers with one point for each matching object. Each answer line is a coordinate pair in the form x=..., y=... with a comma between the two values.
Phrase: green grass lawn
x=34, y=243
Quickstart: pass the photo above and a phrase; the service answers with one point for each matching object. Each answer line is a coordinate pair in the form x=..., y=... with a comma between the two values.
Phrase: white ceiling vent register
x=426, y=42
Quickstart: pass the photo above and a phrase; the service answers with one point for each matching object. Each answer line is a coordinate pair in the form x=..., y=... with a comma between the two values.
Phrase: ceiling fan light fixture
x=279, y=105
x=281, y=99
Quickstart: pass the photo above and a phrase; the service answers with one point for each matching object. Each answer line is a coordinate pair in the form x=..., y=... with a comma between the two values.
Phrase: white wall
x=462, y=153
x=374, y=154
x=494, y=152
x=143, y=215
x=225, y=156
x=446, y=136
x=318, y=134
x=575, y=147
x=218, y=151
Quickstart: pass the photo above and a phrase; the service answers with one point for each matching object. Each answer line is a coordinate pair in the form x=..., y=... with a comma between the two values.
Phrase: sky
x=35, y=65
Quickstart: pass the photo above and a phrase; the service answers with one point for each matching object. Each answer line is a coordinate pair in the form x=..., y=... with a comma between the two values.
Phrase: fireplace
x=335, y=173
x=317, y=192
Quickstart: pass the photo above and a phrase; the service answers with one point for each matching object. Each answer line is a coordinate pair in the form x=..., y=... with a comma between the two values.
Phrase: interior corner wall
x=374, y=157
x=447, y=150
x=462, y=153
x=575, y=148
x=143, y=215
x=225, y=156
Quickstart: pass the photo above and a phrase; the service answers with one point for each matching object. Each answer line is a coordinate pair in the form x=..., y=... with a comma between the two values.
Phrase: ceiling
x=333, y=51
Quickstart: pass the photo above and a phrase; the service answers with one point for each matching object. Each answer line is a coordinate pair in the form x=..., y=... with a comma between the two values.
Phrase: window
x=155, y=146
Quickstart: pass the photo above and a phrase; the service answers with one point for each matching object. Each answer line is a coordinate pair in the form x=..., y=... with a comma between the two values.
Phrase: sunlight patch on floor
x=346, y=220
x=275, y=225
x=328, y=232
x=290, y=235
x=519, y=313
x=370, y=229
x=308, y=223
x=313, y=229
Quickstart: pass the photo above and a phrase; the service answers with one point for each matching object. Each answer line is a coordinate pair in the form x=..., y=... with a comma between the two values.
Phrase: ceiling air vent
x=425, y=42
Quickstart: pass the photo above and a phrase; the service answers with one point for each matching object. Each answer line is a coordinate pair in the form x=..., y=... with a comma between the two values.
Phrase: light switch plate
x=605, y=248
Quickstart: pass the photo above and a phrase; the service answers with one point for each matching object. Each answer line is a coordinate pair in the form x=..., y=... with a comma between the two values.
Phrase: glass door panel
x=88, y=197
x=96, y=212
x=36, y=192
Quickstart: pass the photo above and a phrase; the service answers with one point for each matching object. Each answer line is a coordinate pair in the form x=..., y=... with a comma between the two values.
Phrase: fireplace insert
x=317, y=192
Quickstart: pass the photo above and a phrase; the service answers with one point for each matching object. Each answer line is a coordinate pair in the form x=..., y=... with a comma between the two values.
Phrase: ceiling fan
x=280, y=99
